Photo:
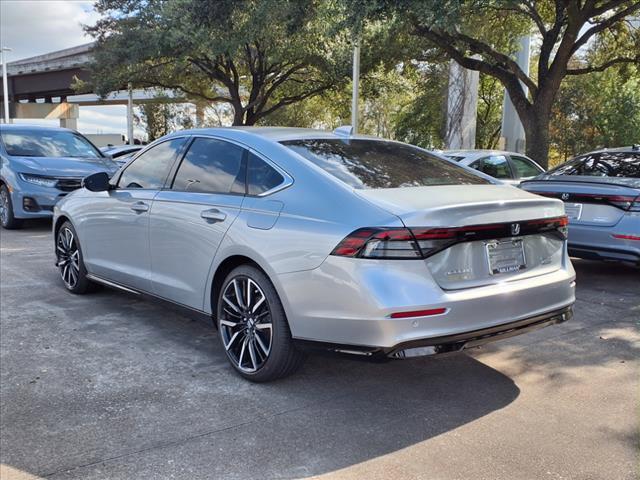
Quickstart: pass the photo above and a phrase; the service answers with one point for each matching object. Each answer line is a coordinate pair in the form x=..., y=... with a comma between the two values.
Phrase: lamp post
x=5, y=85
x=356, y=87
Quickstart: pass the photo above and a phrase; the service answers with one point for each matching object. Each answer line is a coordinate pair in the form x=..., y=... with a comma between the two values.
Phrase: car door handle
x=140, y=207
x=213, y=215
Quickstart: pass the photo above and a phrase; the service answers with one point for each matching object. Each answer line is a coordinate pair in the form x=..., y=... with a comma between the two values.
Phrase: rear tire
x=70, y=261
x=7, y=220
x=253, y=327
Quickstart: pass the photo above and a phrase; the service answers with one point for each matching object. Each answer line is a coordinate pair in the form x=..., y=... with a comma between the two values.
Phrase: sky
x=34, y=27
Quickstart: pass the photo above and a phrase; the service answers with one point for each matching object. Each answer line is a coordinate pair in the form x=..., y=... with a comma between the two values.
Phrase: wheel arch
x=58, y=223
x=222, y=270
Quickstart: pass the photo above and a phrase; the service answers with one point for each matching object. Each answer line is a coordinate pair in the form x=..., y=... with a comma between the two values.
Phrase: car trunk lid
x=588, y=201
x=497, y=227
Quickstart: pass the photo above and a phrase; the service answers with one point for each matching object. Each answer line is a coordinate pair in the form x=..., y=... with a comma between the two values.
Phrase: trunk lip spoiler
x=563, y=178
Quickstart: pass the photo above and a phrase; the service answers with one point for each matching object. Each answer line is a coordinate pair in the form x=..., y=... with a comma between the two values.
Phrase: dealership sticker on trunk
x=573, y=210
x=506, y=256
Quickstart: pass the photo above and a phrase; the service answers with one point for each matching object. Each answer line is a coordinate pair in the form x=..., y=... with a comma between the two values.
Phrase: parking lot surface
x=109, y=385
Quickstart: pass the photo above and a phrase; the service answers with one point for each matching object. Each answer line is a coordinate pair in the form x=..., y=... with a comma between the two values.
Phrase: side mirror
x=98, y=182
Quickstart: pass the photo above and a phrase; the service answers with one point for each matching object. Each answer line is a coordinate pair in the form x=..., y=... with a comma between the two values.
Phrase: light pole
x=5, y=86
x=356, y=87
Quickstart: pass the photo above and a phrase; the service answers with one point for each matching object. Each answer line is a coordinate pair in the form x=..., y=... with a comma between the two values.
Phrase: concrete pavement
x=111, y=386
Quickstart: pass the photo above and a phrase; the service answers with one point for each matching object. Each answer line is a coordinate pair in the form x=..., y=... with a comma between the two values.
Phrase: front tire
x=7, y=220
x=253, y=327
x=70, y=261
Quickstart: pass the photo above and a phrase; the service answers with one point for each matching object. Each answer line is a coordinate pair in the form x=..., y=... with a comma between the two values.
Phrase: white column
x=512, y=137
x=5, y=83
x=356, y=88
x=130, y=116
x=462, y=106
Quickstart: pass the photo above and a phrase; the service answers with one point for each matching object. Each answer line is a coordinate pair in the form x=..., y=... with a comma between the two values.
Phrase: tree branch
x=604, y=24
x=604, y=66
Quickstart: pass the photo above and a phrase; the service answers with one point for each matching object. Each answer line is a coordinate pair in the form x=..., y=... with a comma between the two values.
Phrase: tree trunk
x=537, y=139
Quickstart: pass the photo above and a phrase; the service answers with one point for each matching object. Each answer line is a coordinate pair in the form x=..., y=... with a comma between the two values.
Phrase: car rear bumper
x=599, y=243
x=449, y=343
x=350, y=302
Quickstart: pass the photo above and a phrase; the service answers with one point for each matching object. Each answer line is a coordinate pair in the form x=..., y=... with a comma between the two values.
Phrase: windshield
x=603, y=164
x=366, y=164
x=47, y=143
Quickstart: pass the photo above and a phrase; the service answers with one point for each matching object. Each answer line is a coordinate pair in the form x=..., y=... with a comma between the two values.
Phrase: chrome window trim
x=130, y=162
x=286, y=183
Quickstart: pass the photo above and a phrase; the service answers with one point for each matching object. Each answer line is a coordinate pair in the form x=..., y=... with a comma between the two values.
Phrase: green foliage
x=489, y=119
x=160, y=118
x=597, y=110
x=241, y=52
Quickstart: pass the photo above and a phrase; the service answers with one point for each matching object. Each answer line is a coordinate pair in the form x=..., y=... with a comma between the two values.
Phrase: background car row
x=601, y=190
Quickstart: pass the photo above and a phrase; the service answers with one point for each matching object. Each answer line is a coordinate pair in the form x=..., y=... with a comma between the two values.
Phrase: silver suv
x=40, y=165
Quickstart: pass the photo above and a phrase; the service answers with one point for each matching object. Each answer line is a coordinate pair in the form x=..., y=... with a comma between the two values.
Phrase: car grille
x=68, y=184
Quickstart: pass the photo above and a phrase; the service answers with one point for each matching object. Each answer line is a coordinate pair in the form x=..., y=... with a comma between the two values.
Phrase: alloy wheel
x=68, y=257
x=4, y=206
x=245, y=324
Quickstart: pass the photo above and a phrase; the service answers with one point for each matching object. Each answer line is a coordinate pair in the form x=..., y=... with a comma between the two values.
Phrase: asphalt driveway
x=111, y=386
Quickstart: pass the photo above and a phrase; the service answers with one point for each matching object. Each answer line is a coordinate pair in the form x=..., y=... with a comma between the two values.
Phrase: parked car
x=40, y=165
x=601, y=191
x=509, y=167
x=121, y=154
x=294, y=238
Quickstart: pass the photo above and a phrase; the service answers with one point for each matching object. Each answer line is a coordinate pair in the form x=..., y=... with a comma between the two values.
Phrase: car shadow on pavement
x=129, y=382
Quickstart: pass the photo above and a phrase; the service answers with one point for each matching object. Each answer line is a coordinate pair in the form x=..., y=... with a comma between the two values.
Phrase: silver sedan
x=294, y=239
x=508, y=167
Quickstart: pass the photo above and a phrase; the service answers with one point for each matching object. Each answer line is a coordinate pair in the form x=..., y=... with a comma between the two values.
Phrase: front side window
x=47, y=143
x=603, y=164
x=367, y=164
x=524, y=167
x=495, y=166
x=262, y=177
x=151, y=168
x=211, y=166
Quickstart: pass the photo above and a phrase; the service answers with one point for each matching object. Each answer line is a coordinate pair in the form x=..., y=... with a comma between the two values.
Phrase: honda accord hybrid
x=292, y=239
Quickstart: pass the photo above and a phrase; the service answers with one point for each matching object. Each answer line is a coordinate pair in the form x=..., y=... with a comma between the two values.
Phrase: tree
x=161, y=117
x=482, y=35
x=601, y=109
x=244, y=53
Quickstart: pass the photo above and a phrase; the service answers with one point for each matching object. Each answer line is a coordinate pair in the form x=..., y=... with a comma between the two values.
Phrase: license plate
x=506, y=256
x=573, y=210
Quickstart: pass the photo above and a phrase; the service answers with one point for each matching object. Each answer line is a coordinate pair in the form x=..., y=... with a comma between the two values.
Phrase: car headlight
x=38, y=180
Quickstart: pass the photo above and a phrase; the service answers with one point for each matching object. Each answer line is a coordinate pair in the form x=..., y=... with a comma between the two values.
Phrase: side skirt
x=199, y=314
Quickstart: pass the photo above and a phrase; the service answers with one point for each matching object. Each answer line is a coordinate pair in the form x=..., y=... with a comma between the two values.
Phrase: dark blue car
x=40, y=165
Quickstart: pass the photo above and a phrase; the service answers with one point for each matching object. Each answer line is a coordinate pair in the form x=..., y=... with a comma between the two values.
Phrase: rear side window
x=603, y=164
x=524, y=167
x=366, y=164
x=150, y=169
x=211, y=166
x=262, y=177
x=495, y=166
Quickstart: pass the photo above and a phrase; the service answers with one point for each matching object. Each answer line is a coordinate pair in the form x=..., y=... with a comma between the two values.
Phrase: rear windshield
x=603, y=164
x=366, y=164
x=47, y=143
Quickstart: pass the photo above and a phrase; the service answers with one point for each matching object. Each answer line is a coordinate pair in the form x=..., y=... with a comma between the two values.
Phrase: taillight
x=624, y=202
x=422, y=242
x=396, y=243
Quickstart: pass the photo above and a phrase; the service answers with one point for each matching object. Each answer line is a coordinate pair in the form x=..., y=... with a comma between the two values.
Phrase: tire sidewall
x=280, y=337
x=12, y=221
x=83, y=284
